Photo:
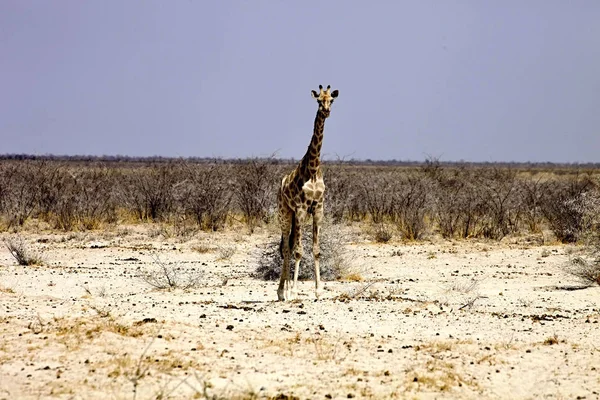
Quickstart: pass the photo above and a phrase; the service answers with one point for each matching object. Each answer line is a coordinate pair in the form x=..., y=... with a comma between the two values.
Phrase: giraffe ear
x=314, y=94
x=335, y=93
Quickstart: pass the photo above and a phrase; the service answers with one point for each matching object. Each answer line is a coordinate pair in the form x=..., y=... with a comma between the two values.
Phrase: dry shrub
x=476, y=202
x=456, y=200
x=255, y=190
x=568, y=204
x=22, y=253
x=377, y=195
x=457, y=207
x=586, y=268
x=149, y=191
x=168, y=276
x=206, y=194
x=84, y=198
x=339, y=192
x=334, y=263
x=382, y=232
x=531, y=192
x=499, y=199
x=411, y=205
x=23, y=184
x=587, y=271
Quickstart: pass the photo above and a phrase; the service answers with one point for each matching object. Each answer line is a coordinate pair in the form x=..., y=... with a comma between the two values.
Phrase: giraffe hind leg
x=317, y=219
x=284, y=246
x=297, y=247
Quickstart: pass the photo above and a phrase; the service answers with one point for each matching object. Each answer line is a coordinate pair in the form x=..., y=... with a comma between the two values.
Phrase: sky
x=479, y=81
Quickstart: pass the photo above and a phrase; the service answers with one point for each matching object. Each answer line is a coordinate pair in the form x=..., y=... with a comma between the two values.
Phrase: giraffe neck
x=312, y=159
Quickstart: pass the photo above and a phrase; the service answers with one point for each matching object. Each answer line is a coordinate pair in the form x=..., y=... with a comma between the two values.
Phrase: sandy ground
x=438, y=319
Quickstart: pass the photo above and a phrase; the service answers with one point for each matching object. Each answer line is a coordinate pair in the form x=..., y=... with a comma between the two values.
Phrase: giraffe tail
x=281, y=247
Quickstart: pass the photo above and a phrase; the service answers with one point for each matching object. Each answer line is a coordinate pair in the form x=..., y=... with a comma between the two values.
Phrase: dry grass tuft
x=169, y=276
x=22, y=253
x=7, y=290
x=439, y=376
x=552, y=340
x=203, y=248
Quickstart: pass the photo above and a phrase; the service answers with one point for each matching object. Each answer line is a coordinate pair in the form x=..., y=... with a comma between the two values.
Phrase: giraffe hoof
x=280, y=296
x=319, y=293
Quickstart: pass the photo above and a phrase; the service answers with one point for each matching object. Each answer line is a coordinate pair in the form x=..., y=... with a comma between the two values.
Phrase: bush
x=23, y=185
x=19, y=250
x=206, y=195
x=148, y=191
x=255, y=190
x=169, y=276
x=531, y=192
x=498, y=198
x=333, y=262
x=587, y=271
x=457, y=205
x=377, y=195
x=456, y=200
x=411, y=205
x=567, y=206
x=338, y=193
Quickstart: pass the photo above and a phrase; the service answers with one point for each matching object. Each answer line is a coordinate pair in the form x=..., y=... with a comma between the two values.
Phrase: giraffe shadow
x=569, y=288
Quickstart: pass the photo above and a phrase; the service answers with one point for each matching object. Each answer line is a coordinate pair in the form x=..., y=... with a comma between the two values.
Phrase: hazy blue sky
x=474, y=80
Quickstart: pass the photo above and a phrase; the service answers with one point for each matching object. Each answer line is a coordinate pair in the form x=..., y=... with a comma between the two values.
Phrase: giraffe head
x=325, y=99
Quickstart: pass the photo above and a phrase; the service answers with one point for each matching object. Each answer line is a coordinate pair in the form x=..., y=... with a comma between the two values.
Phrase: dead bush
x=334, y=263
x=339, y=192
x=23, y=191
x=206, y=194
x=168, y=276
x=377, y=195
x=255, y=190
x=22, y=253
x=411, y=205
x=497, y=191
x=149, y=191
x=586, y=271
x=567, y=205
x=382, y=232
x=457, y=206
x=80, y=198
x=531, y=192
x=586, y=268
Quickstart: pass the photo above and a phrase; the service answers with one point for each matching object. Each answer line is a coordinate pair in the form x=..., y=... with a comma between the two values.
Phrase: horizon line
x=365, y=161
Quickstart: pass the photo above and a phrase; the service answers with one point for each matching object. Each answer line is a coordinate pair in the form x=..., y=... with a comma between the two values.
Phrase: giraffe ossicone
x=300, y=195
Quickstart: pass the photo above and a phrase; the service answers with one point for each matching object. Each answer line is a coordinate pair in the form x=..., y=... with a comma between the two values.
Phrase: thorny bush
x=453, y=200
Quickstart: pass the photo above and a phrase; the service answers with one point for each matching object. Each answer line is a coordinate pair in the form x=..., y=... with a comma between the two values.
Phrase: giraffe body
x=301, y=195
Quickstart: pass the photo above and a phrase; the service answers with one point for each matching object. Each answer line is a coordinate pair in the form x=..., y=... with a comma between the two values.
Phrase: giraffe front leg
x=317, y=220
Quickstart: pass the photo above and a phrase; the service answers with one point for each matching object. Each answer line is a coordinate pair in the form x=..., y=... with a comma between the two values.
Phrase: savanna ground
x=124, y=304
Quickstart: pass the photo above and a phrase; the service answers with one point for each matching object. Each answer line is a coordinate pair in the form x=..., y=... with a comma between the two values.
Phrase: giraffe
x=300, y=195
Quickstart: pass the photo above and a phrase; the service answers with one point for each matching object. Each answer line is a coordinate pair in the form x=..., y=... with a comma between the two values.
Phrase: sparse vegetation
x=334, y=263
x=165, y=275
x=588, y=272
x=382, y=232
x=455, y=200
x=552, y=340
x=22, y=253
